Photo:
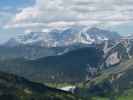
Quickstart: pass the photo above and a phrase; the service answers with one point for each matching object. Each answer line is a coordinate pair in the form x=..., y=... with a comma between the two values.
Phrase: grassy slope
x=17, y=88
x=114, y=70
x=124, y=71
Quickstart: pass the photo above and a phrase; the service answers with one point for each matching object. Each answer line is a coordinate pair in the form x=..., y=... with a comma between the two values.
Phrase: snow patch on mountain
x=65, y=37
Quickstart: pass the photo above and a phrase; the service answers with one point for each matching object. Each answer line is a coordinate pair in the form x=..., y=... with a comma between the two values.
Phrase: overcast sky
x=20, y=16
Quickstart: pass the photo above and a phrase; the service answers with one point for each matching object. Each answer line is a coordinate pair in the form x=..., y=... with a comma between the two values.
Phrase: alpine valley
x=96, y=64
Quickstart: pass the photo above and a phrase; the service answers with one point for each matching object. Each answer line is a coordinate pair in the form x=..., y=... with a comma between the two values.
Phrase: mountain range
x=64, y=37
x=96, y=61
x=34, y=45
x=73, y=66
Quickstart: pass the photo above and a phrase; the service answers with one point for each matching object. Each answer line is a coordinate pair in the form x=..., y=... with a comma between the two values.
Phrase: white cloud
x=50, y=13
x=26, y=14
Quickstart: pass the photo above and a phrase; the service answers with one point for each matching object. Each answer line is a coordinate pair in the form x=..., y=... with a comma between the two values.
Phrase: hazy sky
x=20, y=16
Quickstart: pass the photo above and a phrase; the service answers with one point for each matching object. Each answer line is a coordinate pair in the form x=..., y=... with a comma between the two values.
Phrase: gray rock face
x=64, y=37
